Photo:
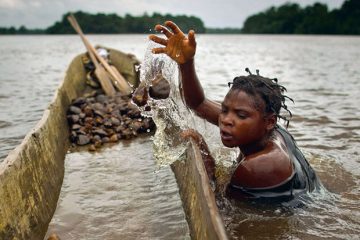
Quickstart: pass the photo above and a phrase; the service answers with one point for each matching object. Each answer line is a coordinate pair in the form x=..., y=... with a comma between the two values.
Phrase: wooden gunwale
x=197, y=196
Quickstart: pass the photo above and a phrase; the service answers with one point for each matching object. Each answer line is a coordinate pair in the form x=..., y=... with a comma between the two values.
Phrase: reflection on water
x=321, y=74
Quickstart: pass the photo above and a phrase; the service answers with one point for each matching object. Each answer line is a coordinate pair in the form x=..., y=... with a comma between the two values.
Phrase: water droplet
x=137, y=67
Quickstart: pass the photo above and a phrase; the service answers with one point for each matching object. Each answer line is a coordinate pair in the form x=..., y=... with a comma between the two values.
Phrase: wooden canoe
x=31, y=175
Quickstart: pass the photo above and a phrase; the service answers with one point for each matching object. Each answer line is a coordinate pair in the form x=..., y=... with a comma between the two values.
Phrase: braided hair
x=268, y=89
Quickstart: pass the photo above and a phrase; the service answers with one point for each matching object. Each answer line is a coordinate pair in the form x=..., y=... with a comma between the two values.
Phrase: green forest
x=113, y=24
x=289, y=18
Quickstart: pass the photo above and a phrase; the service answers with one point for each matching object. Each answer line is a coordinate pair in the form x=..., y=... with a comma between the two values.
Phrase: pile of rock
x=100, y=119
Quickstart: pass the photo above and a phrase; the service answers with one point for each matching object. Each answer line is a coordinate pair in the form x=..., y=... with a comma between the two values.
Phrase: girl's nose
x=226, y=119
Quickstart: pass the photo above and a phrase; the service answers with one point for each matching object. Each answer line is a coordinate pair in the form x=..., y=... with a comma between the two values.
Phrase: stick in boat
x=118, y=80
x=100, y=72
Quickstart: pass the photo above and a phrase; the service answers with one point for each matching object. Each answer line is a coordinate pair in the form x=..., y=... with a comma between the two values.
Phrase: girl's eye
x=241, y=115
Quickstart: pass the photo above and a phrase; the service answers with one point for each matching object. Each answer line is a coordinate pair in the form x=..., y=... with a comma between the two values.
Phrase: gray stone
x=83, y=140
x=79, y=101
x=115, y=121
x=76, y=127
x=160, y=88
x=101, y=98
x=100, y=132
x=75, y=110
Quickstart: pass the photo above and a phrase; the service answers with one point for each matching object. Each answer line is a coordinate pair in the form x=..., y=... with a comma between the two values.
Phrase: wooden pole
x=118, y=80
x=100, y=72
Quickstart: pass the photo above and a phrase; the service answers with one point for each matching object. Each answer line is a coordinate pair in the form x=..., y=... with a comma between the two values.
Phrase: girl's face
x=243, y=123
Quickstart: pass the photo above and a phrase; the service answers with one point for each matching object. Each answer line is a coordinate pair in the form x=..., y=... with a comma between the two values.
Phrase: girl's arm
x=182, y=49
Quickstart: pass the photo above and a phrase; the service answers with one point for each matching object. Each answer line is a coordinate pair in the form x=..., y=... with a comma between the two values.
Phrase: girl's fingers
x=163, y=30
x=191, y=133
x=191, y=37
x=173, y=27
x=158, y=40
x=158, y=50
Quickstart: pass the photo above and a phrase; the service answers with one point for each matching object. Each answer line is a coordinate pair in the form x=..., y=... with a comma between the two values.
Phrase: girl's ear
x=271, y=121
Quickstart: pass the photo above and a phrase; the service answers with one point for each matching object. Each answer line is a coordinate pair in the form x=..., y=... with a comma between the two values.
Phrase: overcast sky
x=214, y=13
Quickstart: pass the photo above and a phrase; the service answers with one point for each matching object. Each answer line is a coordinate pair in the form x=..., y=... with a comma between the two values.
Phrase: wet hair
x=270, y=91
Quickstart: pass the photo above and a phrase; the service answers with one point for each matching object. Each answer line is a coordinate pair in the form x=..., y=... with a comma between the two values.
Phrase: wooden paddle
x=100, y=72
x=118, y=80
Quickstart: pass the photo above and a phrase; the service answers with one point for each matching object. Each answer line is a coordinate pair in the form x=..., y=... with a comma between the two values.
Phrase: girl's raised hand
x=177, y=45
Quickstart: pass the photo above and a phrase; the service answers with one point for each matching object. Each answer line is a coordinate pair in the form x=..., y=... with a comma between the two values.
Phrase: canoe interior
x=31, y=175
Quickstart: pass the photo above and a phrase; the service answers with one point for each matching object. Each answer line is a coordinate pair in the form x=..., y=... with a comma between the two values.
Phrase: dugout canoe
x=31, y=175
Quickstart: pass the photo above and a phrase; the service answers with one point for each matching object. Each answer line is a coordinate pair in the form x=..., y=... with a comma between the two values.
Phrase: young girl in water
x=270, y=164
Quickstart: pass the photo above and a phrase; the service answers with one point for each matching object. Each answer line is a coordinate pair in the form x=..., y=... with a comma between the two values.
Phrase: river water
x=321, y=74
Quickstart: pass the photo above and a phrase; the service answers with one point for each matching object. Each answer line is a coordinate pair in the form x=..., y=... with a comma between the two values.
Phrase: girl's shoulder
x=268, y=168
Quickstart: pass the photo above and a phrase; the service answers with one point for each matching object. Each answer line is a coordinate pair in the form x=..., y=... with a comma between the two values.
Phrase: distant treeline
x=20, y=30
x=223, y=30
x=113, y=24
x=290, y=18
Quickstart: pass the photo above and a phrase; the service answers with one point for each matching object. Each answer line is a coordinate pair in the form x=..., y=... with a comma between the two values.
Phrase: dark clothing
x=302, y=180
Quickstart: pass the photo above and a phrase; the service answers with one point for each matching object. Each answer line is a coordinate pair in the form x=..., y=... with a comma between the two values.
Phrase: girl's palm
x=177, y=46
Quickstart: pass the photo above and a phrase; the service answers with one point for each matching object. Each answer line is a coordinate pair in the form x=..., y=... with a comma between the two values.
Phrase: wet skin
x=244, y=124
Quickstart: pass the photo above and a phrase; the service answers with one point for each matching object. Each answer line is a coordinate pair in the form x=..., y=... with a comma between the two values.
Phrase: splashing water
x=170, y=115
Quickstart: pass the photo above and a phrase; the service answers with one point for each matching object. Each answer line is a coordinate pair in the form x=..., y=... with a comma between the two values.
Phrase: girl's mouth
x=225, y=136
